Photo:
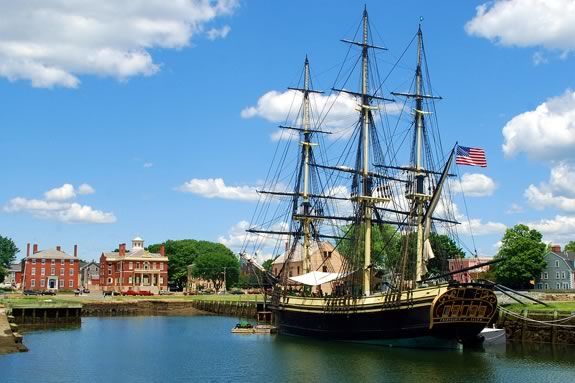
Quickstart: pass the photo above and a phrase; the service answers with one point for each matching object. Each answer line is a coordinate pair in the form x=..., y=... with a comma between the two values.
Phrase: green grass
x=552, y=306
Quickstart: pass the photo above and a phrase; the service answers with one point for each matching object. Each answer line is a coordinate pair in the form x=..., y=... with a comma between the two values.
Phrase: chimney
x=162, y=250
x=75, y=251
x=35, y=248
x=59, y=248
x=122, y=249
x=27, y=249
x=556, y=248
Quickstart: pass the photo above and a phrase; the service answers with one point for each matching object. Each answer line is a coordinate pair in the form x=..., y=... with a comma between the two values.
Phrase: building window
x=556, y=263
x=539, y=286
x=33, y=271
x=558, y=286
x=53, y=261
x=545, y=276
x=161, y=280
x=546, y=286
x=161, y=265
x=326, y=254
x=131, y=265
x=298, y=270
x=43, y=261
x=109, y=271
x=109, y=281
x=61, y=283
x=71, y=261
x=42, y=271
x=325, y=269
x=34, y=261
x=130, y=280
x=565, y=286
x=62, y=261
x=562, y=275
x=61, y=271
x=53, y=271
x=71, y=271
x=33, y=283
x=71, y=283
x=42, y=282
x=557, y=275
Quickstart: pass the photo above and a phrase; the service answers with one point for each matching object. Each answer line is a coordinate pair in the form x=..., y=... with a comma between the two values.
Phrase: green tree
x=570, y=246
x=215, y=267
x=444, y=249
x=268, y=264
x=8, y=251
x=385, y=240
x=522, y=254
x=183, y=253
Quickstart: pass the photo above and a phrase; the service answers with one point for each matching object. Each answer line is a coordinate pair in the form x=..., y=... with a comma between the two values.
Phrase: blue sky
x=148, y=104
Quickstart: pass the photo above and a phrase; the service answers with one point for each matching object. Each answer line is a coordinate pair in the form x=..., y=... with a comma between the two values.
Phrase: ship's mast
x=306, y=149
x=420, y=195
x=366, y=192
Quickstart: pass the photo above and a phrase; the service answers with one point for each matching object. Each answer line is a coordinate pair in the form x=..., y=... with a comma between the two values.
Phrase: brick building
x=471, y=275
x=50, y=269
x=136, y=269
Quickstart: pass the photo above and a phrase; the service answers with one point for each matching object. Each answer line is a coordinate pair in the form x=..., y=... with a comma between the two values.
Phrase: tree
x=8, y=251
x=183, y=253
x=268, y=264
x=570, y=246
x=444, y=249
x=385, y=242
x=215, y=267
x=522, y=253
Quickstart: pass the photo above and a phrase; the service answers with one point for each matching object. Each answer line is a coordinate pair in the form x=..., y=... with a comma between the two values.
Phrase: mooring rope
x=546, y=323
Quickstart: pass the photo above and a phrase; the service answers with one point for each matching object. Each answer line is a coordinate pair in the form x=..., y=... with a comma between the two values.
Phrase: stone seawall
x=530, y=327
x=239, y=309
x=151, y=307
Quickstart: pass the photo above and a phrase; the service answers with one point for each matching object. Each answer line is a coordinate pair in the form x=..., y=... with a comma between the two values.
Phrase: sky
x=157, y=119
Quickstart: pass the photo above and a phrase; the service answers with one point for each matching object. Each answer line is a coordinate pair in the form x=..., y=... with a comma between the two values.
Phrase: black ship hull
x=452, y=315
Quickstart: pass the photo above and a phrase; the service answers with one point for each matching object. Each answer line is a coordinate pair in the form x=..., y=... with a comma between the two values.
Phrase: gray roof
x=88, y=264
x=50, y=254
x=16, y=266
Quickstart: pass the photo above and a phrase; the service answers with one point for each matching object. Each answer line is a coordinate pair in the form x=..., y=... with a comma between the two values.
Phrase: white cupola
x=137, y=244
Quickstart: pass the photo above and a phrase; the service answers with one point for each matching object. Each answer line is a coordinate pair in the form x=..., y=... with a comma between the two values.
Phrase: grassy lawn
x=559, y=306
x=19, y=299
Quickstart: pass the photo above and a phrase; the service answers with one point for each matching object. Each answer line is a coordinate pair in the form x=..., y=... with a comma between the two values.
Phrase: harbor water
x=202, y=349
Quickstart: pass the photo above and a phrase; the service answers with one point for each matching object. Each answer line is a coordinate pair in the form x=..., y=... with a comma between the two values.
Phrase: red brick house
x=136, y=269
x=50, y=269
x=471, y=275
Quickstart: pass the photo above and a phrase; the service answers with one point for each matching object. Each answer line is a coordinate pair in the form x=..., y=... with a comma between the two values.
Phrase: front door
x=52, y=284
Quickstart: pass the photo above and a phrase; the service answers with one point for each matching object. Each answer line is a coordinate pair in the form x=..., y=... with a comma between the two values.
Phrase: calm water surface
x=202, y=349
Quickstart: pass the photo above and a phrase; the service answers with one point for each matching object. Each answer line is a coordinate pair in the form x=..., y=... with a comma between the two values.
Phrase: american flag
x=471, y=156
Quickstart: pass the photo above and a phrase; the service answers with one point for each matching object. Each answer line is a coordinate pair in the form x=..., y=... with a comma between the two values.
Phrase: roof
x=298, y=252
x=50, y=254
x=137, y=239
x=16, y=266
x=82, y=267
x=135, y=255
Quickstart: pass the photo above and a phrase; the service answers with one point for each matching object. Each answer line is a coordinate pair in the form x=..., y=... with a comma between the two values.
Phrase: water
x=202, y=349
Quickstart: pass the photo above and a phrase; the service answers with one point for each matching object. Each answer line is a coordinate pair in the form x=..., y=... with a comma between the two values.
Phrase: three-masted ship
x=362, y=258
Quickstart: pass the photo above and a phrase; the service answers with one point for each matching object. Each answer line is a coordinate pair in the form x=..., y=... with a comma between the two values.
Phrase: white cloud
x=265, y=245
x=556, y=230
x=218, y=33
x=148, y=164
x=62, y=193
x=51, y=43
x=216, y=188
x=56, y=206
x=548, y=132
x=339, y=109
x=62, y=211
x=558, y=193
x=475, y=185
x=474, y=226
x=85, y=189
x=514, y=208
x=526, y=23
x=539, y=58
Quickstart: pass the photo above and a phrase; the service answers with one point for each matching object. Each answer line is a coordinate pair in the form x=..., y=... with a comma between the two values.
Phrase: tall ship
x=358, y=214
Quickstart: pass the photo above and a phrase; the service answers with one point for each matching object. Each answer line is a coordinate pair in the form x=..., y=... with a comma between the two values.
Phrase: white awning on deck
x=316, y=278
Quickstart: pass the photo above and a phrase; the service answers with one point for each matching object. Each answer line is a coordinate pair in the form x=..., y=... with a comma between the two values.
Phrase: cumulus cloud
x=148, y=165
x=471, y=226
x=526, y=23
x=548, y=132
x=51, y=43
x=216, y=188
x=514, y=209
x=558, y=229
x=85, y=189
x=265, y=245
x=557, y=193
x=62, y=193
x=57, y=209
x=476, y=185
x=274, y=106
